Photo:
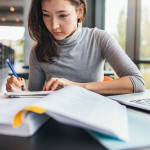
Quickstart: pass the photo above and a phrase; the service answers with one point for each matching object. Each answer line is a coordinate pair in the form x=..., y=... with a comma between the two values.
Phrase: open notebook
x=71, y=105
x=139, y=100
x=32, y=121
x=24, y=94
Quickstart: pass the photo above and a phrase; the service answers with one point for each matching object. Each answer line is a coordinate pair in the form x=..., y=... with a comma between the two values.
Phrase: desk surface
x=52, y=135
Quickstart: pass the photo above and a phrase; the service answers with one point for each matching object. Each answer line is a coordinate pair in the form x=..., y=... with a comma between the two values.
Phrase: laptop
x=139, y=100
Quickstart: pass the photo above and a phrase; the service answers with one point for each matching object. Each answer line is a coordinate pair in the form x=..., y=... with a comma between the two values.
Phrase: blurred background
x=128, y=21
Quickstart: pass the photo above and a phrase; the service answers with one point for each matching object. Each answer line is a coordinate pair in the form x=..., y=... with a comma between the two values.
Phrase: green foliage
x=144, y=41
x=121, y=27
x=145, y=34
x=20, y=49
x=120, y=36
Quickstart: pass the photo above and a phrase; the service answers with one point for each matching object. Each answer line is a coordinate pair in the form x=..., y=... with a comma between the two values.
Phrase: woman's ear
x=80, y=12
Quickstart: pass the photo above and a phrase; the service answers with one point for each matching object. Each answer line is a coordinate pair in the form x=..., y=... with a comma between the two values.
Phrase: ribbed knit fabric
x=82, y=58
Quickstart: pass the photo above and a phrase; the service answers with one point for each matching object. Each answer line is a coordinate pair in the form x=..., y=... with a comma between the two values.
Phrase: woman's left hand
x=54, y=83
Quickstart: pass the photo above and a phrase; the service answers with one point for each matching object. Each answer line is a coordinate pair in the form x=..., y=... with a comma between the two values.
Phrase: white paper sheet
x=76, y=106
x=92, y=110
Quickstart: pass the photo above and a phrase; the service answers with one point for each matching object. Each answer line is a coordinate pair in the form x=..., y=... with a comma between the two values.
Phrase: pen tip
x=7, y=60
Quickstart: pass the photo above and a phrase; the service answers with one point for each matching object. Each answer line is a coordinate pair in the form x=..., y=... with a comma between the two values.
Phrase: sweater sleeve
x=36, y=74
x=120, y=62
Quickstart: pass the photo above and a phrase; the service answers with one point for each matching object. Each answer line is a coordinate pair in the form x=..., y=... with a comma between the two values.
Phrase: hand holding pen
x=14, y=73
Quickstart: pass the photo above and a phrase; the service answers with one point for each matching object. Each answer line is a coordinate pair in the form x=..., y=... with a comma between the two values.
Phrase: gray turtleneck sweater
x=82, y=58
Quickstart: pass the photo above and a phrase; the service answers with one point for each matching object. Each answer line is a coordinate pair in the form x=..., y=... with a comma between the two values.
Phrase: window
x=145, y=71
x=144, y=48
x=116, y=20
x=145, y=30
x=128, y=21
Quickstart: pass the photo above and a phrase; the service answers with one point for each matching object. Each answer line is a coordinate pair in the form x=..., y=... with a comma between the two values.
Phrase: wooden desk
x=52, y=136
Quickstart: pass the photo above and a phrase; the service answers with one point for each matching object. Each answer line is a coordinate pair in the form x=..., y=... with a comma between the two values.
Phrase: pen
x=13, y=71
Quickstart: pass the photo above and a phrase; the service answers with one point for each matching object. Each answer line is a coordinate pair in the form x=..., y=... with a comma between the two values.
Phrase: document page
x=10, y=107
x=87, y=109
x=76, y=106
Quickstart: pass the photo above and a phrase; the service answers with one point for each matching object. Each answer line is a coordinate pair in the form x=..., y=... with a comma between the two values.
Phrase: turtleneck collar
x=71, y=39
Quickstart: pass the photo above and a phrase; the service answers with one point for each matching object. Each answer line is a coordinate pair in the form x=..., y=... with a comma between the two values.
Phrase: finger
x=9, y=80
x=50, y=83
x=8, y=87
x=16, y=88
x=16, y=82
x=11, y=88
x=59, y=87
x=44, y=87
x=55, y=85
x=22, y=81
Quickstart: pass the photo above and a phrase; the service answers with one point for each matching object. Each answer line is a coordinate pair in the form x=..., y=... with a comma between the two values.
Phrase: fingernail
x=21, y=79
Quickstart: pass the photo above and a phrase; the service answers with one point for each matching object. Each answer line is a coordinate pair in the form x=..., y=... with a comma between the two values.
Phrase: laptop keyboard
x=142, y=101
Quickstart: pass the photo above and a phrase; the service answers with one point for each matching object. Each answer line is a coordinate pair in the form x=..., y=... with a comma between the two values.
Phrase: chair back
x=107, y=78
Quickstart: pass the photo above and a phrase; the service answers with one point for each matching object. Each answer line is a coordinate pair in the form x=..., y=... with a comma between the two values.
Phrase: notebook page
x=9, y=107
x=89, y=108
x=28, y=94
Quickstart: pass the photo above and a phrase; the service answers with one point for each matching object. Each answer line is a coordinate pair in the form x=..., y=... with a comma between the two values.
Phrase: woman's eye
x=63, y=16
x=46, y=15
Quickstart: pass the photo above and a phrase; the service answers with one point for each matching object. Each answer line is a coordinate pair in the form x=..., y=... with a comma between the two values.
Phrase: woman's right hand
x=14, y=83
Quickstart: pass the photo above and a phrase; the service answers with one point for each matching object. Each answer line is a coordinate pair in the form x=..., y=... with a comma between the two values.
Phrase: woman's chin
x=59, y=38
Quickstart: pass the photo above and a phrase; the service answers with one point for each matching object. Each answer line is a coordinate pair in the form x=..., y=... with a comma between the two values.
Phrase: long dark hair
x=46, y=45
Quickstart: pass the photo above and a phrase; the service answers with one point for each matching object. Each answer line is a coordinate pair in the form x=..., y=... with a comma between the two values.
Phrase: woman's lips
x=57, y=32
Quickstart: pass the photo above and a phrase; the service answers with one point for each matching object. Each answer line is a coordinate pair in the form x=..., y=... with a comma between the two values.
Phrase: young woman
x=67, y=54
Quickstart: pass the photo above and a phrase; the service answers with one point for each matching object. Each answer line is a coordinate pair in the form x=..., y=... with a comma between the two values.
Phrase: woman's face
x=60, y=17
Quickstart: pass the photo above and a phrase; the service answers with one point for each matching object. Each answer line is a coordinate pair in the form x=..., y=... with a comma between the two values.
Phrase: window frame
x=96, y=18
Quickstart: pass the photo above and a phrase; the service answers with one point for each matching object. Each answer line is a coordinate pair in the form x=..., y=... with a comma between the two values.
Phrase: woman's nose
x=55, y=24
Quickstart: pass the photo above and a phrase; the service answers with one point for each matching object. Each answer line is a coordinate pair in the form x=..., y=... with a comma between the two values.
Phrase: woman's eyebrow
x=60, y=11
x=45, y=10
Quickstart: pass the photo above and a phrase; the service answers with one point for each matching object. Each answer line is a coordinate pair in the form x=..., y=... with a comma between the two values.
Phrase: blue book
x=139, y=132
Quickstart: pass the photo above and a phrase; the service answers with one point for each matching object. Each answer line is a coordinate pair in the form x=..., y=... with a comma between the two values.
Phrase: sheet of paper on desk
x=24, y=94
x=139, y=131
